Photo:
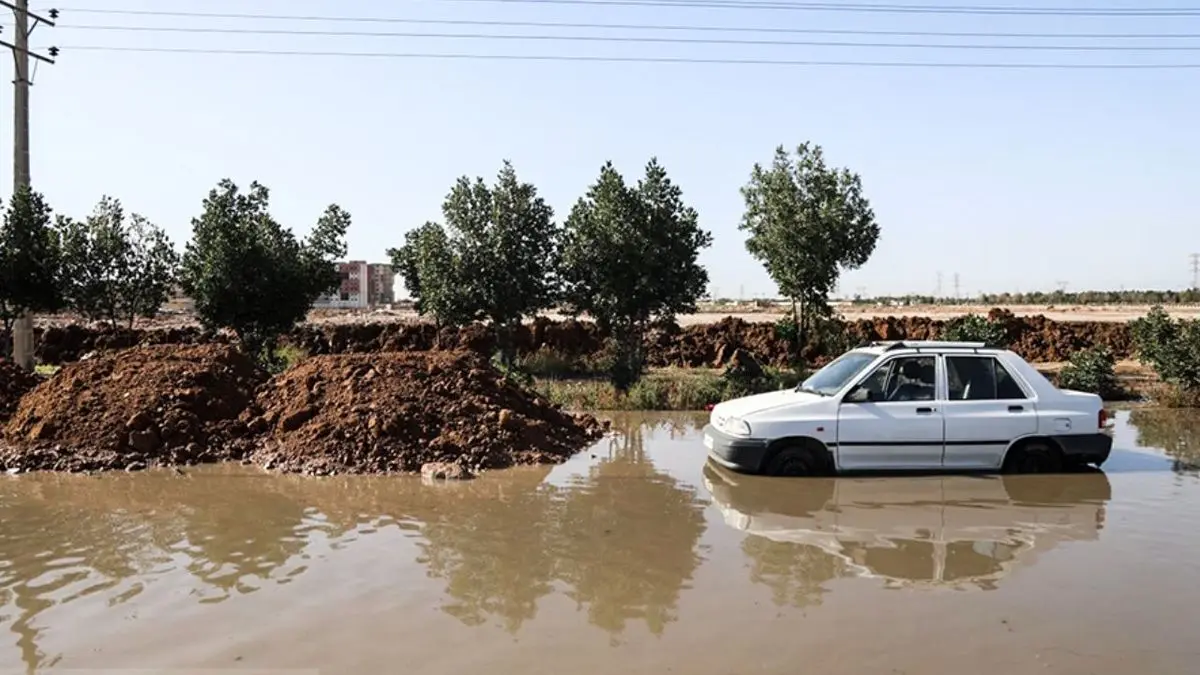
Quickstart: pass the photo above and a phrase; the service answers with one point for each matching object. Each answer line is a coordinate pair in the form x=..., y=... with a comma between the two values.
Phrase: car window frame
x=940, y=390
x=996, y=361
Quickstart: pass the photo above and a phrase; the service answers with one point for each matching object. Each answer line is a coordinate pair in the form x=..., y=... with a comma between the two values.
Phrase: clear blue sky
x=1013, y=179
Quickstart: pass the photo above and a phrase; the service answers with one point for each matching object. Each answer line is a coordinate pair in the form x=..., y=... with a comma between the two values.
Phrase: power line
x=636, y=59
x=651, y=40
x=618, y=26
x=862, y=8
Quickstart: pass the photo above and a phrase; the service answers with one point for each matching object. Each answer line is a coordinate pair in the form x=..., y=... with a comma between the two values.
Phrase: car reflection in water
x=957, y=531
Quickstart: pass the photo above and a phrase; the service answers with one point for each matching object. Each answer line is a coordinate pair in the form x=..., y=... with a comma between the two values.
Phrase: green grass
x=660, y=389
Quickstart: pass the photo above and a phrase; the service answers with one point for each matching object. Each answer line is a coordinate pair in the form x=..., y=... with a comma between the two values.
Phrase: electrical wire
x=651, y=40
x=1009, y=10
x=637, y=59
x=629, y=26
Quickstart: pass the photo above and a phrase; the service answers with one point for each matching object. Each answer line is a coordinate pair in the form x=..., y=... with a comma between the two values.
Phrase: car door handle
x=924, y=411
x=1016, y=408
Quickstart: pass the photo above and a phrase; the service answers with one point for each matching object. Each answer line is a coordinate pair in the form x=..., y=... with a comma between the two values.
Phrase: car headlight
x=737, y=426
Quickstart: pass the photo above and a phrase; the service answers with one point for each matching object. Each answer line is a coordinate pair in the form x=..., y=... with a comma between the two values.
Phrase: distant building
x=362, y=286
x=381, y=284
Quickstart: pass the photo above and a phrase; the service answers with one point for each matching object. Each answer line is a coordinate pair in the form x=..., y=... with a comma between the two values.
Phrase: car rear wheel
x=795, y=461
x=1034, y=457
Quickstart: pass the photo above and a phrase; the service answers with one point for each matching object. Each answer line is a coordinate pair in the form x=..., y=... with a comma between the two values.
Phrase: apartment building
x=363, y=285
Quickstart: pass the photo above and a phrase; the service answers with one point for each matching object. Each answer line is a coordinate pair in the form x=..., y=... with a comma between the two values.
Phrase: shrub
x=1171, y=347
x=1092, y=370
x=975, y=328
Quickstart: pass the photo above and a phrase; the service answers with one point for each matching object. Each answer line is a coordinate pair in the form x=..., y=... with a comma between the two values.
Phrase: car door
x=986, y=408
x=902, y=428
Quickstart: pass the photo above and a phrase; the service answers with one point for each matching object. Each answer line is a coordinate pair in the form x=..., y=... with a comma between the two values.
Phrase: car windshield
x=837, y=373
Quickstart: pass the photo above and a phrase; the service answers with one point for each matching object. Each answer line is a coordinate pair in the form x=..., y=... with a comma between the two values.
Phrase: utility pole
x=956, y=296
x=22, y=28
x=1195, y=271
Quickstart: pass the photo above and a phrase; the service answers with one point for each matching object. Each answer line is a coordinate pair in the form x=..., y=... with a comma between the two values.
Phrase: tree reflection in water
x=627, y=536
x=1175, y=432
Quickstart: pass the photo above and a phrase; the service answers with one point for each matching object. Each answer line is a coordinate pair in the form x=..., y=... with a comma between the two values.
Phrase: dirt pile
x=706, y=345
x=396, y=412
x=158, y=405
x=15, y=382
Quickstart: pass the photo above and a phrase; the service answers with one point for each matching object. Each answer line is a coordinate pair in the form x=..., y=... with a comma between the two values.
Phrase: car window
x=837, y=373
x=980, y=378
x=907, y=378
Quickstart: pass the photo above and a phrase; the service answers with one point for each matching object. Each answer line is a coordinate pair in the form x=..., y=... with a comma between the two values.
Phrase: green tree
x=499, y=249
x=629, y=258
x=1171, y=347
x=114, y=268
x=806, y=222
x=248, y=273
x=434, y=275
x=975, y=328
x=29, y=261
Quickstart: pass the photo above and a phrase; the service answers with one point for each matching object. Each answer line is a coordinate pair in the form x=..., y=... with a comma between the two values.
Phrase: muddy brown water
x=635, y=557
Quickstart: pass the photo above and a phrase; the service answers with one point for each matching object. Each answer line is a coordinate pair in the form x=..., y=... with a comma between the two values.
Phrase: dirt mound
x=15, y=382
x=395, y=412
x=133, y=408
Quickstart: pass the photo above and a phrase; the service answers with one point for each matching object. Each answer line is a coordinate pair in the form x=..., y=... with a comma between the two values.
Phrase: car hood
x=749, y=405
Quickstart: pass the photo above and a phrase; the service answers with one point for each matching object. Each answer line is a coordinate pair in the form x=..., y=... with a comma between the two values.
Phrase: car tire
x=1034, y=457
x=795, y=461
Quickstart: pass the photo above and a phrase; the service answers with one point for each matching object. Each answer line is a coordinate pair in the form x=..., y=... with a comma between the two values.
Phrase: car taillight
x=1102, y=418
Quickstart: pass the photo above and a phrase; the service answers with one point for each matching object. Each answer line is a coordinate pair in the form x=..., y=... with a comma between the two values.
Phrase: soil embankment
x=14, y=383
x=398, y=412
x=167, y=405
x=1036, y=338
x=155, y=405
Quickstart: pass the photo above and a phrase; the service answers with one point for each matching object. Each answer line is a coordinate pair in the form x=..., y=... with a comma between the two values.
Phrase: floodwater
x=635, y=557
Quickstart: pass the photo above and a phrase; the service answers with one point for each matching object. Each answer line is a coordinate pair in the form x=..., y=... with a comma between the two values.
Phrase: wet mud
x=634, y=556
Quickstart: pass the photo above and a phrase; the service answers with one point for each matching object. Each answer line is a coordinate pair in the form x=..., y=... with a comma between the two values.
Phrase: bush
x=975, y=328
x=1092, y=370
x=1171, y=347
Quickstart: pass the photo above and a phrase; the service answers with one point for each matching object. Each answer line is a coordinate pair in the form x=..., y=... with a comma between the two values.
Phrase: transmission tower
x=938, y=292
x=956, y=286
x=1195, y=257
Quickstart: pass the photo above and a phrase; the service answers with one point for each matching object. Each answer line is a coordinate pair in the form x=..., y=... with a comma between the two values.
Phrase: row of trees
x=626, y=255
x=244, y=270
x=1135, y=297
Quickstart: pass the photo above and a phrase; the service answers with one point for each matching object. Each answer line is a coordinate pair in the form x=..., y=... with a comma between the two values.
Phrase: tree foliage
x=29, y=261
x=806, y=222
x=1171, y=347
x=630, y=257
x=1092, y=370
x=433, y=274
x=496, y=258
x=248, y=273
x=975, y=328
x=114, y=268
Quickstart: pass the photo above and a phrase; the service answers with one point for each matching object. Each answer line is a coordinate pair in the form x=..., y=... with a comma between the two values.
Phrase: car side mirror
x=859, y=395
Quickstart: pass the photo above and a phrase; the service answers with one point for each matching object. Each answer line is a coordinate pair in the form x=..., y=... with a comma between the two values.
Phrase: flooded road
x=635, y=557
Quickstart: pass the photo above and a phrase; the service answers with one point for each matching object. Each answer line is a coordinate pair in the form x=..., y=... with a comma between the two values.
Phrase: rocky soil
x=14, y=383
x=445, y=414
x=156, y=405
x=449, y=412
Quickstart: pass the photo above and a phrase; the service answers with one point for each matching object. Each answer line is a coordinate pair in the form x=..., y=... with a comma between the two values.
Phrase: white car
x=912, y=406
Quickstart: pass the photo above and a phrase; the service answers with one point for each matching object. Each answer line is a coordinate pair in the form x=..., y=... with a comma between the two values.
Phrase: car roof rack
x=892, y=345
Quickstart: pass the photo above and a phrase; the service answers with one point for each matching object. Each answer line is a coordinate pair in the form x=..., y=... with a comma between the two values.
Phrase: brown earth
x=14, y=383
x=1036, y=338
x=153, y=405
x=399, y=412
